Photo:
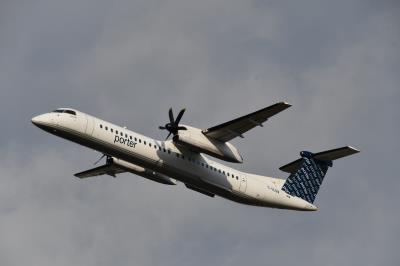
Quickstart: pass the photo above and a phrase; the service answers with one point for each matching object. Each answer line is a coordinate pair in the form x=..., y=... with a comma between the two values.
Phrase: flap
x=235, y=128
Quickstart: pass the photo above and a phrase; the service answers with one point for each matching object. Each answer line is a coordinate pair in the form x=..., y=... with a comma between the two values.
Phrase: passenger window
x=126, y=135
x=130, y=137
x=106, y=128
x=140, y=141
x=122, y=134
x=116, y=132
x=202, y=164
x=144, y=142
x=150, y=144
x=101, y=126
x=169, y=152
x=135, y=139
x=112, y=130
x=237, y=178
x=206, y=165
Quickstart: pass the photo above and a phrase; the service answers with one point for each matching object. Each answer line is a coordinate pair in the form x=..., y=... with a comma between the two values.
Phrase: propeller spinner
x=173, y=125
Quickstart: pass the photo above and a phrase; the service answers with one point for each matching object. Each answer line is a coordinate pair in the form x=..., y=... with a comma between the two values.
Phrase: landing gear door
x=243, y=183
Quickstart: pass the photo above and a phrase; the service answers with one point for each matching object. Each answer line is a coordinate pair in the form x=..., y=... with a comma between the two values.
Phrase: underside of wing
x=235, y=128
x=106, y=169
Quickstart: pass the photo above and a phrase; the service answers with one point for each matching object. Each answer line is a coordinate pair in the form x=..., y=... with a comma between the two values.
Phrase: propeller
x=173, y=125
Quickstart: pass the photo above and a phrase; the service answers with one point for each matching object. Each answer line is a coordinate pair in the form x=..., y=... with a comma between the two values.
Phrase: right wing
x=107, y=169
x=235, y=128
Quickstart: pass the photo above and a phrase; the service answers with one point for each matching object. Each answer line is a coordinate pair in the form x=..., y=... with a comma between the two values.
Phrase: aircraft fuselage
x=194, y=169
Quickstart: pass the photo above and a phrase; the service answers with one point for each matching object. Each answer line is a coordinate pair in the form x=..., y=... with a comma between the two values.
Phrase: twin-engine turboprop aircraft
x=183, y=158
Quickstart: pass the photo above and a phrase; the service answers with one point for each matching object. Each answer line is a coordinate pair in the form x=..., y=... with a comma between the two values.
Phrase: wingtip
x=355, y=150
x=285, y=104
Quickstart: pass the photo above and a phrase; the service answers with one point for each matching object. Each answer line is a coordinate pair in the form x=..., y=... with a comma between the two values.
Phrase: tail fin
x=308, y=172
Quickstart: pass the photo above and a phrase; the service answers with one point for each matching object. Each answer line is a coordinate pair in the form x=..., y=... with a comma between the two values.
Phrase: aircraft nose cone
x=35, y=120
x=38, y=120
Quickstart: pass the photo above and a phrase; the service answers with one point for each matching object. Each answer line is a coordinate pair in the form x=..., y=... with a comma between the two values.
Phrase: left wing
x=107, y=169
x=238, y=126
x=116, y=166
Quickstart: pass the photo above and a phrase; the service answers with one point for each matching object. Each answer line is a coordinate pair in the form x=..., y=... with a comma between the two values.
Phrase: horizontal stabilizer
x=321, y=156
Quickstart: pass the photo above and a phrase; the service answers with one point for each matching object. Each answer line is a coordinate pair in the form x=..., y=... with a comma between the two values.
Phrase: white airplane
x=183, y=158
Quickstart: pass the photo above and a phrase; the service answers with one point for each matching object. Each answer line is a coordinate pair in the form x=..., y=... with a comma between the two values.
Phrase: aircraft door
x=89, y=125
x=243, y=183
x=79, y=122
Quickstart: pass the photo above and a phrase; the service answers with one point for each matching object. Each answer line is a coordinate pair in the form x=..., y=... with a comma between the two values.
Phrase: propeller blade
x=179, y=117
x=171, y=116
x=100, y=159
x=173, y=125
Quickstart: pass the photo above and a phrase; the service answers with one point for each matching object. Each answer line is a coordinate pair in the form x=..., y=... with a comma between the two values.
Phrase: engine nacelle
x=194, y=139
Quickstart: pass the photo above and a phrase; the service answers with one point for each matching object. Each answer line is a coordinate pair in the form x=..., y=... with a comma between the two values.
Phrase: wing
x=238, y=126
x=107, y=169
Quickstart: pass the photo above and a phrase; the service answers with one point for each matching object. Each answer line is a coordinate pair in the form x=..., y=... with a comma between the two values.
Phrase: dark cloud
x=128, y=62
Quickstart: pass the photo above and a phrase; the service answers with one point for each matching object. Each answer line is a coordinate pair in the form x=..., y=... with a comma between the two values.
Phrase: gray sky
x=337, y=62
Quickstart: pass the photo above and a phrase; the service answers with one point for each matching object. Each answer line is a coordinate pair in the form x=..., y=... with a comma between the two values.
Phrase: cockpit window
x=70, y=112
x=65, y=111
